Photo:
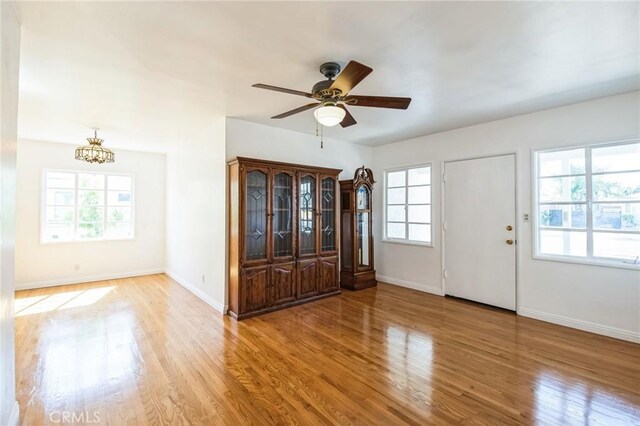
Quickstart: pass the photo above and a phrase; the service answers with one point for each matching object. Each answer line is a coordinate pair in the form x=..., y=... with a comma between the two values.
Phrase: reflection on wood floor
x=146, y=351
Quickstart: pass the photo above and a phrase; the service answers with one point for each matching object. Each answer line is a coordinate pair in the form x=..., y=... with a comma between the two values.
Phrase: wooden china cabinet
x=357, y=271
x=283, y=237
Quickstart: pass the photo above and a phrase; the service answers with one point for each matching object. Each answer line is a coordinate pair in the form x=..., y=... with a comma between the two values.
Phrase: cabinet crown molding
x=273, y=163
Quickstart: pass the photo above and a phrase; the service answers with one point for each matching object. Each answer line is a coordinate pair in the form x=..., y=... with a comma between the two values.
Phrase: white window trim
x=589, y=259
x=407, y=242
x=43, y=205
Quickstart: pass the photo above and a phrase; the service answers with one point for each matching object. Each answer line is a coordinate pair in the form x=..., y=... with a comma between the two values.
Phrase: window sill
x=407, y=243
x=589, y=262
x=47, y=242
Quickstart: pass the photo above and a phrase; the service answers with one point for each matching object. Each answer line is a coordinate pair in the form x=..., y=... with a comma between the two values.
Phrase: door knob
x=509, y=228
x=510, y=242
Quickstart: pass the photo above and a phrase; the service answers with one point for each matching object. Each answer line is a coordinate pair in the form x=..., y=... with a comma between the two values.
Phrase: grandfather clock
x=356, y=253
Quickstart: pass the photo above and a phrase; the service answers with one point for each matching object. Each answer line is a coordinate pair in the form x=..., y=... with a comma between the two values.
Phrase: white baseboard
x=410, y=284
x=591, y=327
x=197, y=292
x=86, y=279
x=14, y=417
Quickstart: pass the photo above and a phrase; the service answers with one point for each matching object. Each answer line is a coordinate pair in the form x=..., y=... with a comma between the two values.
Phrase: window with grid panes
x=81, y=206
x=408, y=205
x=588, y=203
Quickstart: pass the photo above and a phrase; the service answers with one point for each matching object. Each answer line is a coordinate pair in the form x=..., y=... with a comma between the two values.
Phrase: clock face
x=362, y=198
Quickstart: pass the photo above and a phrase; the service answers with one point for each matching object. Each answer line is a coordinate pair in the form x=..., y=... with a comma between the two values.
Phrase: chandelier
x=94, y=152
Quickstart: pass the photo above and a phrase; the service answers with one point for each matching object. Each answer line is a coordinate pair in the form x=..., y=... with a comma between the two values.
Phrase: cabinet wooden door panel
x=255, y=288
x=307, y=278
x=328, y=275
x=283, y=283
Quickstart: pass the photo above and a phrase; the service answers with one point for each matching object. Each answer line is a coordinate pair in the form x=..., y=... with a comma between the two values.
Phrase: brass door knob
x=509, y=228
x=510, y=242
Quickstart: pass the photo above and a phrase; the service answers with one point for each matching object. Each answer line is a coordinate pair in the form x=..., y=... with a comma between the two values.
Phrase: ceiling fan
x=332, y=95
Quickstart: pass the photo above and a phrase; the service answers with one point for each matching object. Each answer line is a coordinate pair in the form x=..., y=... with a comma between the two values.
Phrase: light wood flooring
x=144, y=350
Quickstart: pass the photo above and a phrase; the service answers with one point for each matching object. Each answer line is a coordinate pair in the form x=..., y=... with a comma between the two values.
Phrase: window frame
x=75, y=239
x=407, y=241
x=590, y=258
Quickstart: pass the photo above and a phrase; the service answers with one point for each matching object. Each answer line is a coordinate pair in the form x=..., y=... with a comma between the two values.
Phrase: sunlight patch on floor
x=67, y=300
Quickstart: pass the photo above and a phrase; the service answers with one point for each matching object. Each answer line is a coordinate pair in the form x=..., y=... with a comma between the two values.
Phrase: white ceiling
x=151, y=74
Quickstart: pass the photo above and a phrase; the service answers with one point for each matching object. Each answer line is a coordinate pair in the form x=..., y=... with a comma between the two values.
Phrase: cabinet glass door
x=307, y=234
x=256, y=215
x=328, y=225
x=282, y=215
x=363, y=224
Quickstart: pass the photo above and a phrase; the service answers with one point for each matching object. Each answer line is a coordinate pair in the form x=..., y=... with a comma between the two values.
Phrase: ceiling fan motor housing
x=321, y=89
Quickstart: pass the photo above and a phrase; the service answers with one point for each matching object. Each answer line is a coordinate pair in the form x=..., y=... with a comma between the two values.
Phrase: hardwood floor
x=146, y=351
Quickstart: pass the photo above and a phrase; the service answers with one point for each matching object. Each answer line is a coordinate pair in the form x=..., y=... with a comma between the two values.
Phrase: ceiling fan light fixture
x=329, y=115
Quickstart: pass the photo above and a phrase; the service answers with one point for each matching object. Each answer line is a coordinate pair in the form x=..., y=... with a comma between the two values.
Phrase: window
x=588, y=203
x=408, y=205
x=81, y=206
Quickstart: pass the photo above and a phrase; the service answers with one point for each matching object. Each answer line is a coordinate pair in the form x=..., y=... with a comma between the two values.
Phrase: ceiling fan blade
x=378, y=102
x=297, y=110
x=349, y=78
x=283, y=90
x=348, y=119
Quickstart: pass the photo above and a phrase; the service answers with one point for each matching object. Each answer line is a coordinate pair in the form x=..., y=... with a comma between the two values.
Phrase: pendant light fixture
x=94, y=152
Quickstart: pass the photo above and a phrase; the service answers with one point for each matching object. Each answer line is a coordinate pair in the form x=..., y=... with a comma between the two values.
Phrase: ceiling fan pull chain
x=321, y=136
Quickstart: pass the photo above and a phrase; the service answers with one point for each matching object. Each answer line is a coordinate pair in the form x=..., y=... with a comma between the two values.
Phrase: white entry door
x=479, y=230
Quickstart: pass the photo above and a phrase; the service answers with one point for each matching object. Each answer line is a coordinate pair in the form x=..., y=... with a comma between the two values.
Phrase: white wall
x=9, y=70
x=197, y=189
x=39, y=265
x=247, y=139
x=196, y=214
x=599, y=299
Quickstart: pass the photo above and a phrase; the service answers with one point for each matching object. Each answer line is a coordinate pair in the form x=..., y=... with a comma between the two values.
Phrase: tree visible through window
x=589, y=202
x=87, y=206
